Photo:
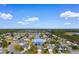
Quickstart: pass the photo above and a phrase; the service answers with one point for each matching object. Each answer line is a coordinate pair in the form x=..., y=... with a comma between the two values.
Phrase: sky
x=50, y=16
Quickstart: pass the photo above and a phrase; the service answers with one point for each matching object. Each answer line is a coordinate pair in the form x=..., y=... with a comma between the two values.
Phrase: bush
x=18, y=47
x=75, y=47
x=4, y=44
x=52, y=42
x=45, y=51
x=32, y=50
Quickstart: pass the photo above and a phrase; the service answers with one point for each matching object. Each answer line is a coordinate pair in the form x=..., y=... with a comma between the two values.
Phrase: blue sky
x=39, y=16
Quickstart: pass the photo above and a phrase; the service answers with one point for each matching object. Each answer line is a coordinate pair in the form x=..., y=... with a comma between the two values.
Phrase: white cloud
x=6, y=16
x=21, y=22
x=67, y=23
x=29, y=20
x=69, y=14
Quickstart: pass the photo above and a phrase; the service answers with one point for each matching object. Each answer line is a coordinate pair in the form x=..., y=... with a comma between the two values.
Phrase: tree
x=4, y=44
x=18, y=47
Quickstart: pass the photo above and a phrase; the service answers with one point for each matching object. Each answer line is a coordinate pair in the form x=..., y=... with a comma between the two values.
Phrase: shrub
x=4, y=44
x=18, y=47
x=32, y=50
x=75, y=47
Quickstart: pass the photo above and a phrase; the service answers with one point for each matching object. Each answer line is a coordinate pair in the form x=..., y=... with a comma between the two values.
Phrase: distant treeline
x=8, y=30
x=60, y=32
x=39, y=30
x=65, y=30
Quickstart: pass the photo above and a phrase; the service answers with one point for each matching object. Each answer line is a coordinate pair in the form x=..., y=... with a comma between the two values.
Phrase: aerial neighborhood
x=39, y=42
